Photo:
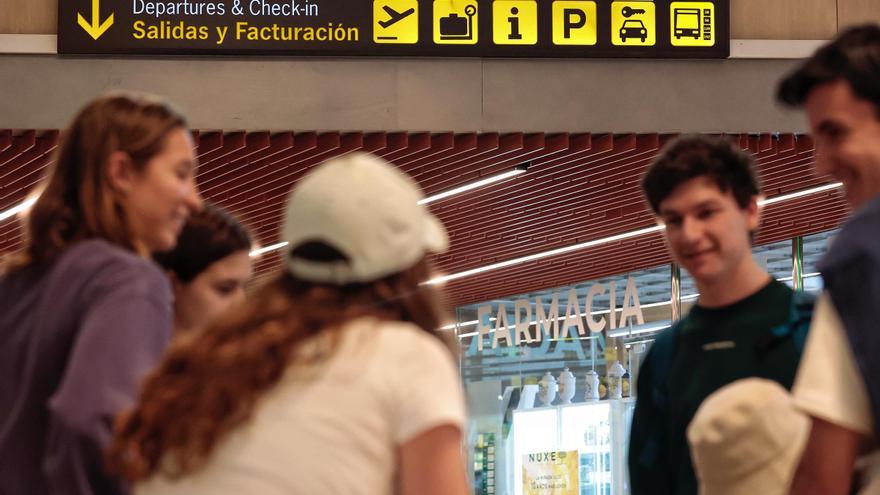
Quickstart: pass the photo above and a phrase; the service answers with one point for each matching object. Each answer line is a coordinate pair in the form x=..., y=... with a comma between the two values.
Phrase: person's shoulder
x=781, y=288
x=100, y=252
x=404, y=340
x=689, y=323
x=666, y=340
x=405, y=332
x=800, y=303
x=771, y=302
x=96, y=250
x=102, y=262
x=857, y=238
x=864, y=220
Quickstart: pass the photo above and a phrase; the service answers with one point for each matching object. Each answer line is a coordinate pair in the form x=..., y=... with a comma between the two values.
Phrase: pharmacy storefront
x=550, y=376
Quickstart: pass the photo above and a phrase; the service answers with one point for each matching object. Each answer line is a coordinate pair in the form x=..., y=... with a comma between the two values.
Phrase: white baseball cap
x=367, y=209
x=747, y=438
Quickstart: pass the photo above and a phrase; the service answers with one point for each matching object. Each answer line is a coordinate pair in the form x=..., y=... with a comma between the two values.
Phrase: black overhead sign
x=444, y=28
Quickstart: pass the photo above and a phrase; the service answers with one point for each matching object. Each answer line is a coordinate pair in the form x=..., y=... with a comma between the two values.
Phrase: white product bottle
x=566, y=386
x=615, y=374
x=548, y=389
x=591, y=386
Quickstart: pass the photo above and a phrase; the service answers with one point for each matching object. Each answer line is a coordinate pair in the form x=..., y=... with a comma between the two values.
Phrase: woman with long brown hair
x=84, y=313
x=330, y=380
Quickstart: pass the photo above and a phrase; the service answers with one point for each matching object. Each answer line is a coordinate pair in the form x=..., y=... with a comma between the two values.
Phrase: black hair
x=208, y=236
x=689, y=157
x=854, y=57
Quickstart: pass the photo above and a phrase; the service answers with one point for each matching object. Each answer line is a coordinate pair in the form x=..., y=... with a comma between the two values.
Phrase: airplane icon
x=395, y=21
x=394, y=16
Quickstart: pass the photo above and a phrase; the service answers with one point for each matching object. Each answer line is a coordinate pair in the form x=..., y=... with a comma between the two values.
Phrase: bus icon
x=686, y=23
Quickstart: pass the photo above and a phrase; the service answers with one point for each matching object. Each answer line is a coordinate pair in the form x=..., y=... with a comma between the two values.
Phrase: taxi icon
x=633, y=28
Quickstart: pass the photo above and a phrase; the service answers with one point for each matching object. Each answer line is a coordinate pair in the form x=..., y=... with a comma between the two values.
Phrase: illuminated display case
x=597, y=431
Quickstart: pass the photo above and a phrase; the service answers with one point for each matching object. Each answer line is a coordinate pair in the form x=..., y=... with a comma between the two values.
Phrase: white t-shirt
x=334, y=428
x=829, y=385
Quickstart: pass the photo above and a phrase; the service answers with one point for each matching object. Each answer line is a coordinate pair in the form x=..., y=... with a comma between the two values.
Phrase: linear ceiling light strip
x=15, y=210
x=25, y=205
x=269, y=248
x=798, y=194
x=545, y=254
x=476, y=184
x=613, y=238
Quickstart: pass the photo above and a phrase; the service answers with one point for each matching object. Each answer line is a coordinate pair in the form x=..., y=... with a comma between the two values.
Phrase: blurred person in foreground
x=333, y=379
x=84, y=312
x=838, y=383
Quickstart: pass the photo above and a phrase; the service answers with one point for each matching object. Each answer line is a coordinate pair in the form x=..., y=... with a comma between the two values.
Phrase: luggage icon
x=455, y=27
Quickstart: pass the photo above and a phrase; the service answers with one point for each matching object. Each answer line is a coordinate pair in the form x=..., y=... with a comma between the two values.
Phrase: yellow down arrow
x=95, y=28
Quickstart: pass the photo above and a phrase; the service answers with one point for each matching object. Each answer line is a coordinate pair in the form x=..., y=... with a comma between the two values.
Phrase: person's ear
x=121, y=172
x=753, y=214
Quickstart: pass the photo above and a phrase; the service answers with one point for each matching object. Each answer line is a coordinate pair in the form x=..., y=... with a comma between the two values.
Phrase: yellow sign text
x=274, y=32
x=166, y=30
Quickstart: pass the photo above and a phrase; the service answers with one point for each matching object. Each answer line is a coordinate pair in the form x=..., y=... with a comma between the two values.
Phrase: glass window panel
x=501, y=381
x=815, y=246
x=775, y=258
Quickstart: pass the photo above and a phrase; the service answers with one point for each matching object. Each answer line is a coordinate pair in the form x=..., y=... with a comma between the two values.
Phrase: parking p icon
x=515, y=22
x=574, y=22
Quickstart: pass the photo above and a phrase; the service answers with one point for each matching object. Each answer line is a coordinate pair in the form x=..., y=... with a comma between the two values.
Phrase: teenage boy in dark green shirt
x=706, y=193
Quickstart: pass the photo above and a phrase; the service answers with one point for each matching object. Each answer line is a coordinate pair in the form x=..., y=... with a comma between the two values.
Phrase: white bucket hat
x=747, y=438
x=367, y=209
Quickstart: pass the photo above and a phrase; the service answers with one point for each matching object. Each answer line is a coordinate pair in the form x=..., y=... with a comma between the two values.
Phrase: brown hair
x=77, y=201
x=688, y=157
x=208, y=236
x=208, y=384
x=854, y=57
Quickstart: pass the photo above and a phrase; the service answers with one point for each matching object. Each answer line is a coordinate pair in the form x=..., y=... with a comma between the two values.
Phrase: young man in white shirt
x=838, y=382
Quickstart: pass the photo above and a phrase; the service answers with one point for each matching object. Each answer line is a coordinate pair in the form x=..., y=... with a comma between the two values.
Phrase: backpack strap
x=798, y=325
